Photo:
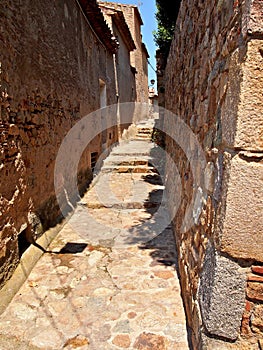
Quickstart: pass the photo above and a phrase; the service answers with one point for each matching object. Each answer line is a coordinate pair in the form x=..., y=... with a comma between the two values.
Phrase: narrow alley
x=109, y=279
x=94, y=188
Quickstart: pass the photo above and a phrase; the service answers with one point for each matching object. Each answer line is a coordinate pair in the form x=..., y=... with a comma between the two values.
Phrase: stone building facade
x=124, y=71
x=56, y=66
x=214, y=84
x=139, y=56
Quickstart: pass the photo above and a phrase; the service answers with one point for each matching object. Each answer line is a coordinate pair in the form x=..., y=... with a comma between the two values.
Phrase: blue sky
x=147, y=10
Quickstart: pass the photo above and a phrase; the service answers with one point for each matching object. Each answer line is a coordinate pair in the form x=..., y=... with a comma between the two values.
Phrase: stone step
x=122, y=205
x=129, y=169
x=144, y=135
x=144, y=131
x=134, y=148
x=128, y=154
x=132, y=162
x=140, y=138
x=104, y=269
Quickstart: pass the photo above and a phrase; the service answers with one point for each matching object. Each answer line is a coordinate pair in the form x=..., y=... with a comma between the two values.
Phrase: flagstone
x=108, y=280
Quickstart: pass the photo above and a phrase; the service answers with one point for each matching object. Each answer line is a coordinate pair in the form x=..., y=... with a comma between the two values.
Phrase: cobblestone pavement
x=108, y=280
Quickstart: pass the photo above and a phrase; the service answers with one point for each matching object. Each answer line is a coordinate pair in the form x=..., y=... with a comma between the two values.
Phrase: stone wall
x=51, y=63
x=214, y=83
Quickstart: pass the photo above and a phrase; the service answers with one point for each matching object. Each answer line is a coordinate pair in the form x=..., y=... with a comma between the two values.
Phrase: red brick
x=248, y=306
x=254, y=278
x=245, y=324
x=257, y=269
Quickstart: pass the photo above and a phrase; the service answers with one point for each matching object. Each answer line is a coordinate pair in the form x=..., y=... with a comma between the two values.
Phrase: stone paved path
x=108, y=281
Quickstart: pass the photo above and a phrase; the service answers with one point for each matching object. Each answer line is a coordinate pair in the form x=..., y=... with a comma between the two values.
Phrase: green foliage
x=158, y=137
x=166, y=15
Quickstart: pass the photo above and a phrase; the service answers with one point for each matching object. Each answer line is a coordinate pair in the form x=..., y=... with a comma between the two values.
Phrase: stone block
x=122, y=340
x=249, y=133
x=256, y=18
x=241, y=231
x=229, y=107
x=242, y=125
x=221, y=295
x=255, y=291
x=150, y=341
x=257, y=319
x=215, y=344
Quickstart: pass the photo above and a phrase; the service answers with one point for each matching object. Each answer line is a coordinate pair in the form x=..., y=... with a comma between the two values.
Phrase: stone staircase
x=108, y=280
x=144, y=132
x=134, y=154
x=132, y=161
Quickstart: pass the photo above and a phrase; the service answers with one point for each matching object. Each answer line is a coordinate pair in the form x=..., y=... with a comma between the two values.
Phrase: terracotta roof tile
x=119, y=6
x=96, y=19
x=119, y=19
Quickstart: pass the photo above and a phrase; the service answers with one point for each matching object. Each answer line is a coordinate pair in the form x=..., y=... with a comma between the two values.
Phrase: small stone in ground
x=150, y=341
x=122, y=340
x=77, y=341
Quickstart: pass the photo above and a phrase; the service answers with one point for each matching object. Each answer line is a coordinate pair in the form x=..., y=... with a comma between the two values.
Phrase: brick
x=248, y=306
x=254, y=278
x=245, y=324
x=257, y=269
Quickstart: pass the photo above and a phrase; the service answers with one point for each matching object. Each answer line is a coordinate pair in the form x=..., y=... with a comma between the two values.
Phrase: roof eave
x=145, y=50
x=96, y=19
x=123, y=28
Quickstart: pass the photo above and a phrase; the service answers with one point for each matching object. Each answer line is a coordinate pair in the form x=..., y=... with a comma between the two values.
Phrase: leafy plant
x=166, y=15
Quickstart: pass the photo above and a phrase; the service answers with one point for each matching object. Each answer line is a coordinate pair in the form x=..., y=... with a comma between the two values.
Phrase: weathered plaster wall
x=214, y=82
x=51, y=63
x=126, y=91
x=139, y=59
x=125, y=78
x=138, y=56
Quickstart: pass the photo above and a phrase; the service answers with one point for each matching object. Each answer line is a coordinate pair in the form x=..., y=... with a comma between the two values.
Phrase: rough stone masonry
x=49, y=77
x=59, y=62
x=214, y=82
